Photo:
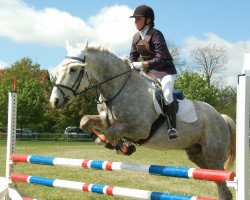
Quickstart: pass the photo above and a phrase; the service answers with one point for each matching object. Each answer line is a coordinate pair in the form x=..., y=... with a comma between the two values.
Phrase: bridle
x=77, y=83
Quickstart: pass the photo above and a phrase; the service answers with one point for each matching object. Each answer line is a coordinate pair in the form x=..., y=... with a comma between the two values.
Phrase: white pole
x=242, y=121
x=11, y=135
x=3, y=188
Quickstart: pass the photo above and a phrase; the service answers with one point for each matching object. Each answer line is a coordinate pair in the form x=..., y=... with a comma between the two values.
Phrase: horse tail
x=231, y=154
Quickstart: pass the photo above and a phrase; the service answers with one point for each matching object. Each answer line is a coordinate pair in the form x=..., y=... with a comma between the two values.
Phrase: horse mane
x=95, y=47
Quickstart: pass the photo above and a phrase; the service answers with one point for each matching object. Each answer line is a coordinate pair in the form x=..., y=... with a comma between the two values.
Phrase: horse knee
x=84, y=123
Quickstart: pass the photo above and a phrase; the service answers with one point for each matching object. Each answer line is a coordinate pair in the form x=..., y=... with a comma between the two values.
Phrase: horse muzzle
x=54, y=103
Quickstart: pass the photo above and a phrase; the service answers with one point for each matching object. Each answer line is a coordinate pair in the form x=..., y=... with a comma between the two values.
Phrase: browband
x=76, y=58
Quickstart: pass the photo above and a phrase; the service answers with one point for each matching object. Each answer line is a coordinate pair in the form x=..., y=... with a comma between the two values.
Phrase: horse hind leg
x=223, y=191
x=198, y=155
x=195, y=155
x=218, y=164
x=125, y=131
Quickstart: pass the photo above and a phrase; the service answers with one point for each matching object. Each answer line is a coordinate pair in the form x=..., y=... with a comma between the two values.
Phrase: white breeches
x=167, y=84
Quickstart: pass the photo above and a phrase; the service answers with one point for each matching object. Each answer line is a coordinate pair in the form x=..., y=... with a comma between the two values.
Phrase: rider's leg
x=171, y=112
x=167, y=83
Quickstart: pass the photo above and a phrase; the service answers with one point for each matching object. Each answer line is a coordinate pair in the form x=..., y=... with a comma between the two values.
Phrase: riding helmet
x=144, y=11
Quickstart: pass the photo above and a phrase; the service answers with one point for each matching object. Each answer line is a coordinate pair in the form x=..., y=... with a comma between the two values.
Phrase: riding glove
x=136, y=65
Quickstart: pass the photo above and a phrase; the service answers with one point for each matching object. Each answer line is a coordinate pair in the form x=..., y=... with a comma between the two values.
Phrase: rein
x=95, y=86
x=76, y=85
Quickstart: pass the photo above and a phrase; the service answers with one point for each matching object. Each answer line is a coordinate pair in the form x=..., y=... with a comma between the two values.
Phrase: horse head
x=70, y=75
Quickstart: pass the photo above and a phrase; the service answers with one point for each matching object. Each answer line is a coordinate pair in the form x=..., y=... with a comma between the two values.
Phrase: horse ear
x=83, y=46
x=86, y=43
x=68, y=46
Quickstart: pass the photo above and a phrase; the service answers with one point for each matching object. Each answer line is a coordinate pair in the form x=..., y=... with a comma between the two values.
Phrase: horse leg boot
x=170, y=113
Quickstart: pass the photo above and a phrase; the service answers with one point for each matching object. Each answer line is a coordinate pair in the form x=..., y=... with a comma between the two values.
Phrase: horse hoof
x=108, y=145
x=98, y=141
x=131, y=149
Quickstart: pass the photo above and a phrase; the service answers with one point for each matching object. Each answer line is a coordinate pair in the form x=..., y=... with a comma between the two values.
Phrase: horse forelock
x=66, y=63
x=61, y=67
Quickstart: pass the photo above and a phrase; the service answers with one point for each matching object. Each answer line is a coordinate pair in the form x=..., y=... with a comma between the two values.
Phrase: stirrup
x=173, y=134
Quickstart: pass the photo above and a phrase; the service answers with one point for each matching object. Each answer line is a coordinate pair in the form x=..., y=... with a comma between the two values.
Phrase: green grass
x=88, y=150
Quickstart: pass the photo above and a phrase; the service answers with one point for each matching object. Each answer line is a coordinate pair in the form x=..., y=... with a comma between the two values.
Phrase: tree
x=31, y=86
x=227, y=101
x=210, y=59
x=175, y=53
x=195, y=87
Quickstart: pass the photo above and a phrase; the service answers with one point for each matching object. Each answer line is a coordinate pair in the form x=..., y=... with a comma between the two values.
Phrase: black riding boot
x=170, y=112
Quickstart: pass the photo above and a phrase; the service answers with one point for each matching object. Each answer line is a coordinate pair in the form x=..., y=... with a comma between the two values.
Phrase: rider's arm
x=134, y=55
x=161, y=51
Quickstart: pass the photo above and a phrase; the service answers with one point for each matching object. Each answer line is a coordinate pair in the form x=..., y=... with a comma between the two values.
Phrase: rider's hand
x=136, y=65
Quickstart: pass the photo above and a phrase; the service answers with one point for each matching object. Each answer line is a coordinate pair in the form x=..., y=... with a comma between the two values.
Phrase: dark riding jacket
x=153, y=48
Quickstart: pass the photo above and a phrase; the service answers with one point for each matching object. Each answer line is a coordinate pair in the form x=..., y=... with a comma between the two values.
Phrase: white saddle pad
x=186, y=112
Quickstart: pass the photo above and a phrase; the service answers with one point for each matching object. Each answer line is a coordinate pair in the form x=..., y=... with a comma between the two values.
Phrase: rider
x=149, y=52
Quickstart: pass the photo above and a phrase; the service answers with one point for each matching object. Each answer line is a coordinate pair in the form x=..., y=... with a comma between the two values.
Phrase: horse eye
x=72, y=70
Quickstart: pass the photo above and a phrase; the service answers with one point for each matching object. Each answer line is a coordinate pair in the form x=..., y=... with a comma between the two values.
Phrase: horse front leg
x=129, y=131
x=116, y=135
x=88, y=122
x=93, y=121
x=118, y=131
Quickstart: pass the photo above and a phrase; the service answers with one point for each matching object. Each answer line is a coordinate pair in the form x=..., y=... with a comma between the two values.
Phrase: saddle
x=177, y=95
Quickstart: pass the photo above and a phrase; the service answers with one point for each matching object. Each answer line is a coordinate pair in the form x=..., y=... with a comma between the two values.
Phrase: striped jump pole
x=28, y=198
x=102, y=189
x=194, y=173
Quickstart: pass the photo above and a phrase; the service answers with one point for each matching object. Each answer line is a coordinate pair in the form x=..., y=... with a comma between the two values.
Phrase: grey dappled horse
x=127, y=109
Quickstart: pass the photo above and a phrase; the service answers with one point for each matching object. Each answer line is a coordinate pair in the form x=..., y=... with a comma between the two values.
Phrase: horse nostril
x=56, y=101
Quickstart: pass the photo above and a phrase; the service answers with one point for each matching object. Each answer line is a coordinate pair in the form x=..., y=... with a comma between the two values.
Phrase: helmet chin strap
x=145, y=23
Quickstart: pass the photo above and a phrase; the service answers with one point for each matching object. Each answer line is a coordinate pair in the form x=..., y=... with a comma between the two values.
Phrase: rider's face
x=139, y=22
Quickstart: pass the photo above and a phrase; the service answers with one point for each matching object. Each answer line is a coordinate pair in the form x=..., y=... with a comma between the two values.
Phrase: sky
x=38, y=29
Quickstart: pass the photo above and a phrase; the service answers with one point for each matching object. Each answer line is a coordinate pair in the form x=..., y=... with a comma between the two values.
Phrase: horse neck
x=103, y=66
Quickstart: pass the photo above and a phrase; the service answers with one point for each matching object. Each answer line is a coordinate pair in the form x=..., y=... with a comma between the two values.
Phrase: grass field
x=88, y=150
